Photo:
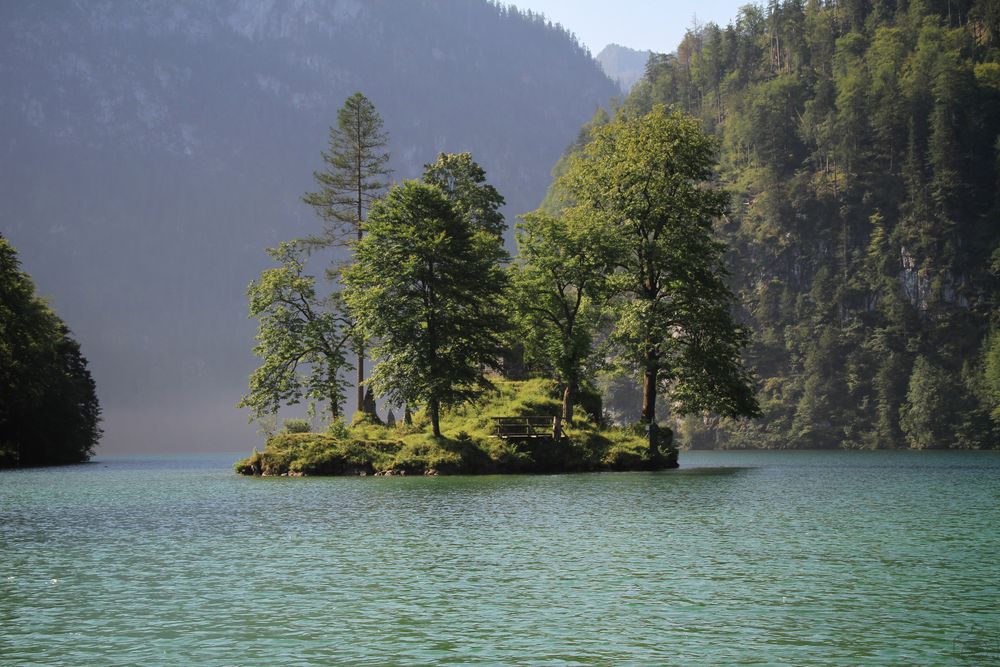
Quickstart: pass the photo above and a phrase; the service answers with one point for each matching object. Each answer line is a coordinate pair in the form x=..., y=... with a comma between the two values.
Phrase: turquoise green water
x=758, y=558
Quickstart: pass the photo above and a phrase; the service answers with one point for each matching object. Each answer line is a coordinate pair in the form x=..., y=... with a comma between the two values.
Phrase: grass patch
x=467, y=445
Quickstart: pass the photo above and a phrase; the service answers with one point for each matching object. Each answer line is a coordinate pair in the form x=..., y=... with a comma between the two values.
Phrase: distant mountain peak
x=626, y=66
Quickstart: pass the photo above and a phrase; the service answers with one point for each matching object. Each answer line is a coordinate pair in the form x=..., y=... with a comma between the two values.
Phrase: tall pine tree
x=355, y=174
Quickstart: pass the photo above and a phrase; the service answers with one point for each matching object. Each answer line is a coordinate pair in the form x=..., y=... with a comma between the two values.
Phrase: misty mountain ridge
x=153, y=150
x=626, y=66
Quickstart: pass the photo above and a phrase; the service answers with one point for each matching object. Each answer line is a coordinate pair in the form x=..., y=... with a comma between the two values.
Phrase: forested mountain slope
x=862, y=143
x=150, y=151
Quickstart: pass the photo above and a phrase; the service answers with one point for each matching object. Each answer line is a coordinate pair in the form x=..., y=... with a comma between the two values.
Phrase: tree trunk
x=334, y=407
x=654, y=441
x=361, y=345
x=567, y=403
x=407, y=416
x=649, y=394
x=649, y=403
x=434, y=406
x=361, y=377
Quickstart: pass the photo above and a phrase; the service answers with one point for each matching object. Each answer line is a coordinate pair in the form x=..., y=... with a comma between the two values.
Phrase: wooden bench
x=525, y=428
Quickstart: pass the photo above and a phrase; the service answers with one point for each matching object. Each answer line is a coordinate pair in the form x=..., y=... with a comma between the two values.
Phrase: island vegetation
x=468, y=445
x=49, y=412
x=626, y=274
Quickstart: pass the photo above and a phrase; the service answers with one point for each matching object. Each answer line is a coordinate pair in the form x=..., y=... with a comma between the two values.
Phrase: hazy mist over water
x=150, y=152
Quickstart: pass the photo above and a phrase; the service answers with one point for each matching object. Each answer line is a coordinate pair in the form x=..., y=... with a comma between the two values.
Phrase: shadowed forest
x=862, y=142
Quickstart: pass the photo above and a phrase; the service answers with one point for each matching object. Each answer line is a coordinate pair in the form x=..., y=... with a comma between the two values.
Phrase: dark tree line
x=49, y=413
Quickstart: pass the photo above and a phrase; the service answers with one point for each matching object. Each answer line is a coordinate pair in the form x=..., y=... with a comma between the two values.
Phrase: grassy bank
x=467, y=447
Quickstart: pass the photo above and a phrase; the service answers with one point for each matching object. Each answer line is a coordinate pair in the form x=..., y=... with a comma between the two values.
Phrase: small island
x=471, y=444
x=494, y=358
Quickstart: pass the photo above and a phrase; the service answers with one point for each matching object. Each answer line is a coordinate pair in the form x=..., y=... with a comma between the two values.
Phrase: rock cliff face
x=151, y=150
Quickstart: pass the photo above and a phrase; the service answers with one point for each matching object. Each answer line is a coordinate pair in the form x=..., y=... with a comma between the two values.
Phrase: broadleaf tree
x=648, y=177
x=428, y=287
x=561, y=280
x=355, y=174
x=302, y=338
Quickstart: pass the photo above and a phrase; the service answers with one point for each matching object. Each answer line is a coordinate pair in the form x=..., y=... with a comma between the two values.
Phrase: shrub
x=297, y=426
x=338, y=429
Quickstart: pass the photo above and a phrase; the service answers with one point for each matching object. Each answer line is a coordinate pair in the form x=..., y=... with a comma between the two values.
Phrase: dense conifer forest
x=861, y=141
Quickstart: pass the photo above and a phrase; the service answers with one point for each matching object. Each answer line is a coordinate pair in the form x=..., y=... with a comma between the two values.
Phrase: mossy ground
x=467, y=445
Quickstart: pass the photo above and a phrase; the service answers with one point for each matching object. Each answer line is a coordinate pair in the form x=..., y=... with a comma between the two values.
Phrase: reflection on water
x=781, y=557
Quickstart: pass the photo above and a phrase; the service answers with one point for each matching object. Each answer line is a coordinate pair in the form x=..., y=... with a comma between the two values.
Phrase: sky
x=656, y=25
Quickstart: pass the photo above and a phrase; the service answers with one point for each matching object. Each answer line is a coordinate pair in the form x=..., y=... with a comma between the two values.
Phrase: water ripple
x=758, y=558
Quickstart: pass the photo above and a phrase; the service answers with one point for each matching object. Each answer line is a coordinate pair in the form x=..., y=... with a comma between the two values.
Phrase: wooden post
x=556, y=428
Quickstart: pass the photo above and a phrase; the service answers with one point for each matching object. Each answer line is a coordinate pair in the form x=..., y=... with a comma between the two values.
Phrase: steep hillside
x=862, y=143
x=151, y=150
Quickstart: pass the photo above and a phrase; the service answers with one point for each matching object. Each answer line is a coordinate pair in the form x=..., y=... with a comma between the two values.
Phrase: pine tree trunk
x=361, y=377
x=361, y=345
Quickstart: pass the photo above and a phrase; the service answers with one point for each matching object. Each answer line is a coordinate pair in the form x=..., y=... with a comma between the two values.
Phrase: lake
x=805, y=558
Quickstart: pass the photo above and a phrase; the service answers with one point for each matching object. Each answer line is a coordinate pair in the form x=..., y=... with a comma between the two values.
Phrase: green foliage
x=645, y=177
x=560, y=283
x=301, y=338
x=338, y=429
x=426, y=286
x=464, y=183
x=466, y=447
x=355, y=172
x=924, y=415
x=355, y=175
x=317, y=454
x=49, y=412
x=991, y=375
x=555, y=199
x=297, y=426
x=861, y=141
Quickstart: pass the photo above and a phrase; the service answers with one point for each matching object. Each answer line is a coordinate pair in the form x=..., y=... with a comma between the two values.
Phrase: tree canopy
x=561, y=281
x=426, y=287
x=648, y=177
x=49, y=411
x=301, y=338
x=355, y=171
x=464, y=183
